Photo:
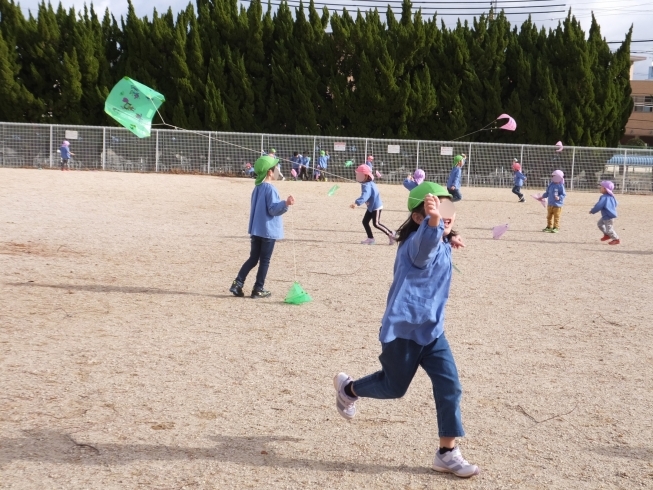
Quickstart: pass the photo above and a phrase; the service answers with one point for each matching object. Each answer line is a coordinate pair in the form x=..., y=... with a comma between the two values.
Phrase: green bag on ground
x=297, y=295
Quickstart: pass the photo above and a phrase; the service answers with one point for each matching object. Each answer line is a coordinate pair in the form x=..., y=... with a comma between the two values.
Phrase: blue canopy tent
x=631, y=160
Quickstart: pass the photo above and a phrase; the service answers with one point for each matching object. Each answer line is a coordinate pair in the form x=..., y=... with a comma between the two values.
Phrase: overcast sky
x=614, y=17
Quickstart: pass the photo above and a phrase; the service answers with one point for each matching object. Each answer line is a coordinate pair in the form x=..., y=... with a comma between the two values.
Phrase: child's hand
x=557, y=198
x=432, y=209
x=453, y=187
x=352, y=206
x=457, y=242
x=290, y=201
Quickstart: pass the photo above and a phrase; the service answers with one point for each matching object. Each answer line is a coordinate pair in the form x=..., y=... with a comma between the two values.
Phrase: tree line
x=230, y=68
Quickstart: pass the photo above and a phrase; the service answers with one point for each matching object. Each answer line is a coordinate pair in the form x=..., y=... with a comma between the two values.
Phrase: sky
x=614, y=17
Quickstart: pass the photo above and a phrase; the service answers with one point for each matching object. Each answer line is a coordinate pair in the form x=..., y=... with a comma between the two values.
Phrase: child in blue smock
x=306, y=162
x=520, y=178
x=371, y=197
x=414, y=180
x=555, y=195
x=265, y=226
x=65, y=155
x=455, y=176
x=608, y=206
x=322, y=164
x=412, y=328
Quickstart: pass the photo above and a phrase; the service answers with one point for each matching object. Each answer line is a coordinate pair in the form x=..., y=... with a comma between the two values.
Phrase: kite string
x=477, y=131
x=292, y=233
x=163, y=123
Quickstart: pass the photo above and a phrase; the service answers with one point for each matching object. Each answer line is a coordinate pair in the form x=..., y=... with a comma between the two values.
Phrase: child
x=555, y=194
x=273, y=154
x=608, y=206
x=412, y=329
x=414, y=180
x=519, y=180
x=265, y=226
x=370, y=196
x=296, y=160
x=453, y=183
x=370, y=161
x=306, y=162
x=65, y=154
x=322, y=164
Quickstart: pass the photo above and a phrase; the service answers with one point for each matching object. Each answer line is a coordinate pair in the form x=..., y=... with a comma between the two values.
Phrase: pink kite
x=293, y=172
x=378, y=174
x=511, y=125
x=538, y=197
x=559, y=146
x=498, y=231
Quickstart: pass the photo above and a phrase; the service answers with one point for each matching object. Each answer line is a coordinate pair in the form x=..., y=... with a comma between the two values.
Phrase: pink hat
x=558, y=177
x=419, y=176
x=65, y=143
x=370, y=157
x=608, y=186
x=365, y=170
x=516, y=166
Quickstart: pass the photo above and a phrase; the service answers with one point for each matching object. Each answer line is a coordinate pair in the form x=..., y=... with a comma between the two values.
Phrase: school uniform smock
x=410, y=184
x=370, y=195
x=551, y=192
x=519, y=179
x=65, y=152
x=454, y=178
x=420, y=288
x=265, y=215
x=607, y=205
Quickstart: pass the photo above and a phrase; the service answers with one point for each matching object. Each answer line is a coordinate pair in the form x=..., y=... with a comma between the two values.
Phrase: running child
x=414, y=180
x=322, y=163
x=370, y=196
x=608, y=206
x=265, y=226
x=370, y=161
x=555, y=195
x=412, y=328
x=65, y=154
x=453, y=183
x=520, y=178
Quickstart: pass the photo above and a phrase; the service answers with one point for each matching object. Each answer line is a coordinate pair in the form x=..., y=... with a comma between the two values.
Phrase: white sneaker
x=392, y=238
x=368, y=241
x=345, y=404
x=453, y=462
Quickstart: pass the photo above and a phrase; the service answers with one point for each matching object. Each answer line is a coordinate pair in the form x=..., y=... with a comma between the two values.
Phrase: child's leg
x=267, y=247
x=439, y=364
x=254, y=255
x=609, y=229
x=376, y=221
x=556, y=217
x=366, y=223
x=399, y=362
x=549, y=216
x=601, y=226
x=517, y=191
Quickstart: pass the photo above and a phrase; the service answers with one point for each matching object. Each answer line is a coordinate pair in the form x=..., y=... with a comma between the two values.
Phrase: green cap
x=272, y=150
x=417, y=195
x=457, y=159
x=322, y=153
x=261, y=167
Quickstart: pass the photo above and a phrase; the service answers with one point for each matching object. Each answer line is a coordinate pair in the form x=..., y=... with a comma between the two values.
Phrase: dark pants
x=261, y=250
x=375, y=218
x=516, y=190
x=302, y=173
x=399, y=362
x=64, y=163
x=455, y=194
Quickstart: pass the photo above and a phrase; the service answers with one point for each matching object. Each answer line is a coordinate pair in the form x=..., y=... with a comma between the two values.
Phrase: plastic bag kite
x=559, y=146
x=379, y=175
x=538, y=197
x=511, y=125
x=498, y=231
x=293, y=172
x=297, y=295
x=333, y=190
x=133, y=105
x=348, y=163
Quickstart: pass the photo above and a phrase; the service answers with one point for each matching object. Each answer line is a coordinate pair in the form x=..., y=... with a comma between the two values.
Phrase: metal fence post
x=469, y=159
x=417, y=163
x=623, y=180
x=262, y=151
x=104, y=148
x=521, y=156
x=573, y=162
x=314, y=162
x=208, y=163
x=156, y=152
x=365, y=159
x=51, y=130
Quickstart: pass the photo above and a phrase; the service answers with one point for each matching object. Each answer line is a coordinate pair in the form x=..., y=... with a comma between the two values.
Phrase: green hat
x=261, y=167
x=457, y=159
x=417, y=195
x=322, y=153
x=272, y=150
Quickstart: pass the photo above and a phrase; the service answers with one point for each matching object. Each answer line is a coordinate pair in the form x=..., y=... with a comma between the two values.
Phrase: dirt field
x=126, y=363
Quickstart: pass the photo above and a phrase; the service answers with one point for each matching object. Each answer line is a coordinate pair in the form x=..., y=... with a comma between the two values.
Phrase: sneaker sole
x=447, y=470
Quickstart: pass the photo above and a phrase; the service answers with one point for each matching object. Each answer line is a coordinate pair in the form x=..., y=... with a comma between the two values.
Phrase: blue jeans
x=261, y=251
x=455, y=194
x=399, y=362
x=517, y=190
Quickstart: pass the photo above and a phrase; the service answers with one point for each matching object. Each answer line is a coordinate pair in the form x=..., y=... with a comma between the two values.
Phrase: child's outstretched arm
x=423, y=247
x=365, y=196
x=276, y=207
x=598, y=206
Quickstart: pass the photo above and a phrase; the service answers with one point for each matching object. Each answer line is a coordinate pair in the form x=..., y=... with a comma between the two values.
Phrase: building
x=640, y=123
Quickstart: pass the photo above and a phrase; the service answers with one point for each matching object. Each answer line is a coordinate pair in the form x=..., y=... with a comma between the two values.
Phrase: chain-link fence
x=178, y=151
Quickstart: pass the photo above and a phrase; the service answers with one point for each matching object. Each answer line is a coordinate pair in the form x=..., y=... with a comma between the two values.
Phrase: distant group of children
x=412, y=327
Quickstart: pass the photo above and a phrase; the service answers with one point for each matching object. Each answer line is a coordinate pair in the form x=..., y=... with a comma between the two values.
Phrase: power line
x=638, y=41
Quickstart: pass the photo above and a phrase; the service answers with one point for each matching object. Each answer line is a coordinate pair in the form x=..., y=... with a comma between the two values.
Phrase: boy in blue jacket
x=265, y=226
x=412, y=328
x=608, y=206
x=372, y=198
x=520, y=178
x=453, y=182
x=65, y=154
x=555, y=195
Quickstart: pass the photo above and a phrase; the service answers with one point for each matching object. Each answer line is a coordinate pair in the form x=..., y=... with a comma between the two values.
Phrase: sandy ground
x=126, y=363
